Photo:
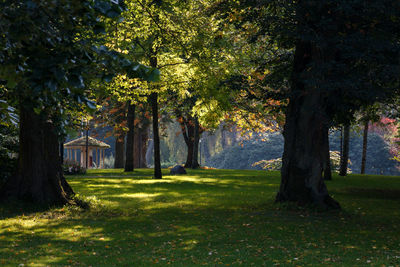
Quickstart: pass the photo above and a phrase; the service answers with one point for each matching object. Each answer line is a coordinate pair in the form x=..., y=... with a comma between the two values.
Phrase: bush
x=71, y=167
x=276, y=164
x=270, y=165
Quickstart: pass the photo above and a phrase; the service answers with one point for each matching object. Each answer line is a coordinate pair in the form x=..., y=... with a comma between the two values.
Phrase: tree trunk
x=327, y=165
x=40, y=177
x=304, y=133
x=364, y=149
x=344, y=159
x=61, y=148
x=119, y=151
x=191, y=134
x=189, y=156
x=141, y=138
x=195, y=160
x=187, y=128
x=156, y=137
x=130, y=139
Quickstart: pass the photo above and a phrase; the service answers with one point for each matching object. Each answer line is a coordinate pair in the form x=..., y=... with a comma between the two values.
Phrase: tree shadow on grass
x=372, y=193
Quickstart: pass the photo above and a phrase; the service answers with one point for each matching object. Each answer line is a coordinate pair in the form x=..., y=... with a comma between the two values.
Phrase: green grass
x=208, y=217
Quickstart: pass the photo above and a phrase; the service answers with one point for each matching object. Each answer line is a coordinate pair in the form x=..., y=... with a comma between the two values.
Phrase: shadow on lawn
x=203, y=217
x=168, y=235
x=389, y=194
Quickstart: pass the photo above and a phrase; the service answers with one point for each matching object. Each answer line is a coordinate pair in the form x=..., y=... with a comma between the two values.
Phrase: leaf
x=99, y=29
x=11, y=83
x=102, y=6
x=113, y=14
x=153, y=76
x=76, y=81
x=91, y=104
x=52, y=85
x=108, y=78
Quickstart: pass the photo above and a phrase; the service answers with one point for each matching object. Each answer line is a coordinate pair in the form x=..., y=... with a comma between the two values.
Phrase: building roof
x=81, y=142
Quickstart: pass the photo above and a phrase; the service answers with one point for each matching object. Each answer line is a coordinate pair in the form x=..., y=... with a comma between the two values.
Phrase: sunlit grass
x=207, y=217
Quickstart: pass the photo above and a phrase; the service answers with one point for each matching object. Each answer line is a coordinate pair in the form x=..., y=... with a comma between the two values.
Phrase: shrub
x=276, y=164
x=270, y=165
x=72, y=167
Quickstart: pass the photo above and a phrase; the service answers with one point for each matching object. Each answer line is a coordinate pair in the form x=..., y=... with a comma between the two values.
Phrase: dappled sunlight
x=139, y=195
x=45, y=260
x=182, y=191
x=204, y=217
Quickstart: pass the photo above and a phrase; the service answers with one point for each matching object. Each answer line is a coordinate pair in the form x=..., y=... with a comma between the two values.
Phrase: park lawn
x=208, y=217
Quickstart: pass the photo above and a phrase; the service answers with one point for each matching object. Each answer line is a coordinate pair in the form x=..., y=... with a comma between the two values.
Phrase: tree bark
x=189, y=156
x=130, y=139
x=327, y=165
x=344, y=159
x=364, y=149
x=140, y=146
x=305, y=129
x=187, y=128
x=61, y=147
x=156, y=137
x=40, y=177
x=196, y=138
x=119, y=151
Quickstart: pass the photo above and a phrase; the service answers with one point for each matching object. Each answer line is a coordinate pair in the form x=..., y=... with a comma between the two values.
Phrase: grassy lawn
x=208, y=217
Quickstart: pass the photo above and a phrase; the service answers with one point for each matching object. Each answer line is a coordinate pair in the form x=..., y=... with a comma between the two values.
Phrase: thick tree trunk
x=61, y=148
x=190, y=131
x=305, y=129
x=140, y=146
x=130, y=139
x=119, y=151
x=344, y=159
x=189, y=156
x=327, y=165
x=196, y=138
x=156, y=137
x=364, y=148
x=40, y=177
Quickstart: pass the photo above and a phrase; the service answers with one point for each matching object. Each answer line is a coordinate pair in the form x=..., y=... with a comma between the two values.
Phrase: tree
x=344, y=155
x=364, y=150
x=130, y=138
x=328, y=59
x=49, y=54
x=182, y=109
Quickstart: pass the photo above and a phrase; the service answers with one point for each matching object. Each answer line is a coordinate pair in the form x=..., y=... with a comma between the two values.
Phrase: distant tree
x=344, y=152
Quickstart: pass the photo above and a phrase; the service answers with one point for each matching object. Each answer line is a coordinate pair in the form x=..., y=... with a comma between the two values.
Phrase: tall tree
x=319, y=53
x=130, y=138
x=364, y=147
x=48, y=56
x=119, y=151
x=153, y=98
x=344, y=155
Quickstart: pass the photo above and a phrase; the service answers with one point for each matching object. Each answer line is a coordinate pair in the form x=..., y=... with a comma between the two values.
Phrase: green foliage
x=52, y=50
x=356, y=61
x=210, y=217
